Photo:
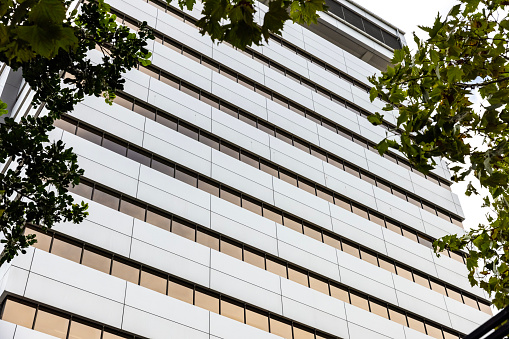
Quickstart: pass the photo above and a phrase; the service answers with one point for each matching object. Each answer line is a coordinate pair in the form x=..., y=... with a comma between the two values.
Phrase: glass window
x=232, y=309
x=470, y=301
x=331, y=241
x=145, y=110
x=414, y=200
x=351, y=169
x=231, y=249
x=293, y=223
x=252, y=205
x=302, y=333
x=66, y=250
x=186, y=176
x=210, y=64
x=434, y=331
x=449, y=335
x=139, y=156
x=377, y=218
x=18, y=313
x=268, y=168
x=254, y=258
x=397, y=316
x=281, y=328
x=106, y=198
x=426, y=241
x=110, y=335
x=249, y=159
x=312, y=232
x=229, y=150
x=188, y=130
x=272, y=214
x=307, y=186
x=399, y=193
x=351, y=249
x=319, y=284
x=409, y=234
x=324, y=194
x=421, y=280
x=230, y=196
x=207, y=239
x=319, y=154
x=438, y=287
x=405, y=273
x=369, y=257
x=80, y=330
x=231, y=110
x=190, y=90
x=444, y=215
x=456, y=257
x=51, y=324
x=288, y=177
x=126, y=271
x=379, y=308
x=132, y=208
x=209, y=140
x=387, y=265
x=167, y=121
x=456, y=295
x=65, y=125
x=257, y=319
x=301, y=145
x=416, y=324
x=428, y=207
x=183, y=229
x=343, y=203
x=180, y=291
x=393, y=226
x=284, y=136
x=368, y=177
x=83, y=188
x=89, y=134
x=207, y=301
x=485, y=308
x=123, y=101
x=359, y=301
x=96, y=260
x=298, y=275
x=277, y=267
x=115, y=145
x=158, y=219
x=359, y=210
x=43, y=240
x=163, y=167
x=339, y=293
x=153, y=281
x=246, y=83
x=383, y=185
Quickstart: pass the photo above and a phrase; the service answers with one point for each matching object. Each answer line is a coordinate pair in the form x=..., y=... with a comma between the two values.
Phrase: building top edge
x=374, y=15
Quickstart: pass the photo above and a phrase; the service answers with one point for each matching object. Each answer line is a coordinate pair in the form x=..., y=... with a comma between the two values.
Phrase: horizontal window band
x=211, y=186
x=329, y=124
x=168, y=284
x=55, y=322
x=165, y=283
x=170, y=120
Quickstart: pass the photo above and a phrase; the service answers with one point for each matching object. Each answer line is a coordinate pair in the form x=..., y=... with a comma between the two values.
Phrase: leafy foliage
x=465, y=55
x=234, y=21
x=45, y=42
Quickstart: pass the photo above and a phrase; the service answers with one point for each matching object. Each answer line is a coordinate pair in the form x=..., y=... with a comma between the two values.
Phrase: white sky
x=407, y=15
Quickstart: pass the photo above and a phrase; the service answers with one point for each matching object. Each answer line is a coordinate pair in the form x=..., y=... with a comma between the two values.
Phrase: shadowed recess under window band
x=57, y=323
x=152, y=160
x=203, y=297
x=329, y=124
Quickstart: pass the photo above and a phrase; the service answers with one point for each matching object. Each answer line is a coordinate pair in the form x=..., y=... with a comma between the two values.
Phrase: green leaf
x=376, y=119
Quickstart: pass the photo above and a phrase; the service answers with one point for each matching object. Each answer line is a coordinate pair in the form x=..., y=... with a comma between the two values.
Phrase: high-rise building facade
x=237, y=194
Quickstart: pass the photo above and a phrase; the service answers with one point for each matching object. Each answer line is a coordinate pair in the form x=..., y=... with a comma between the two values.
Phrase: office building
x=237, y=194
